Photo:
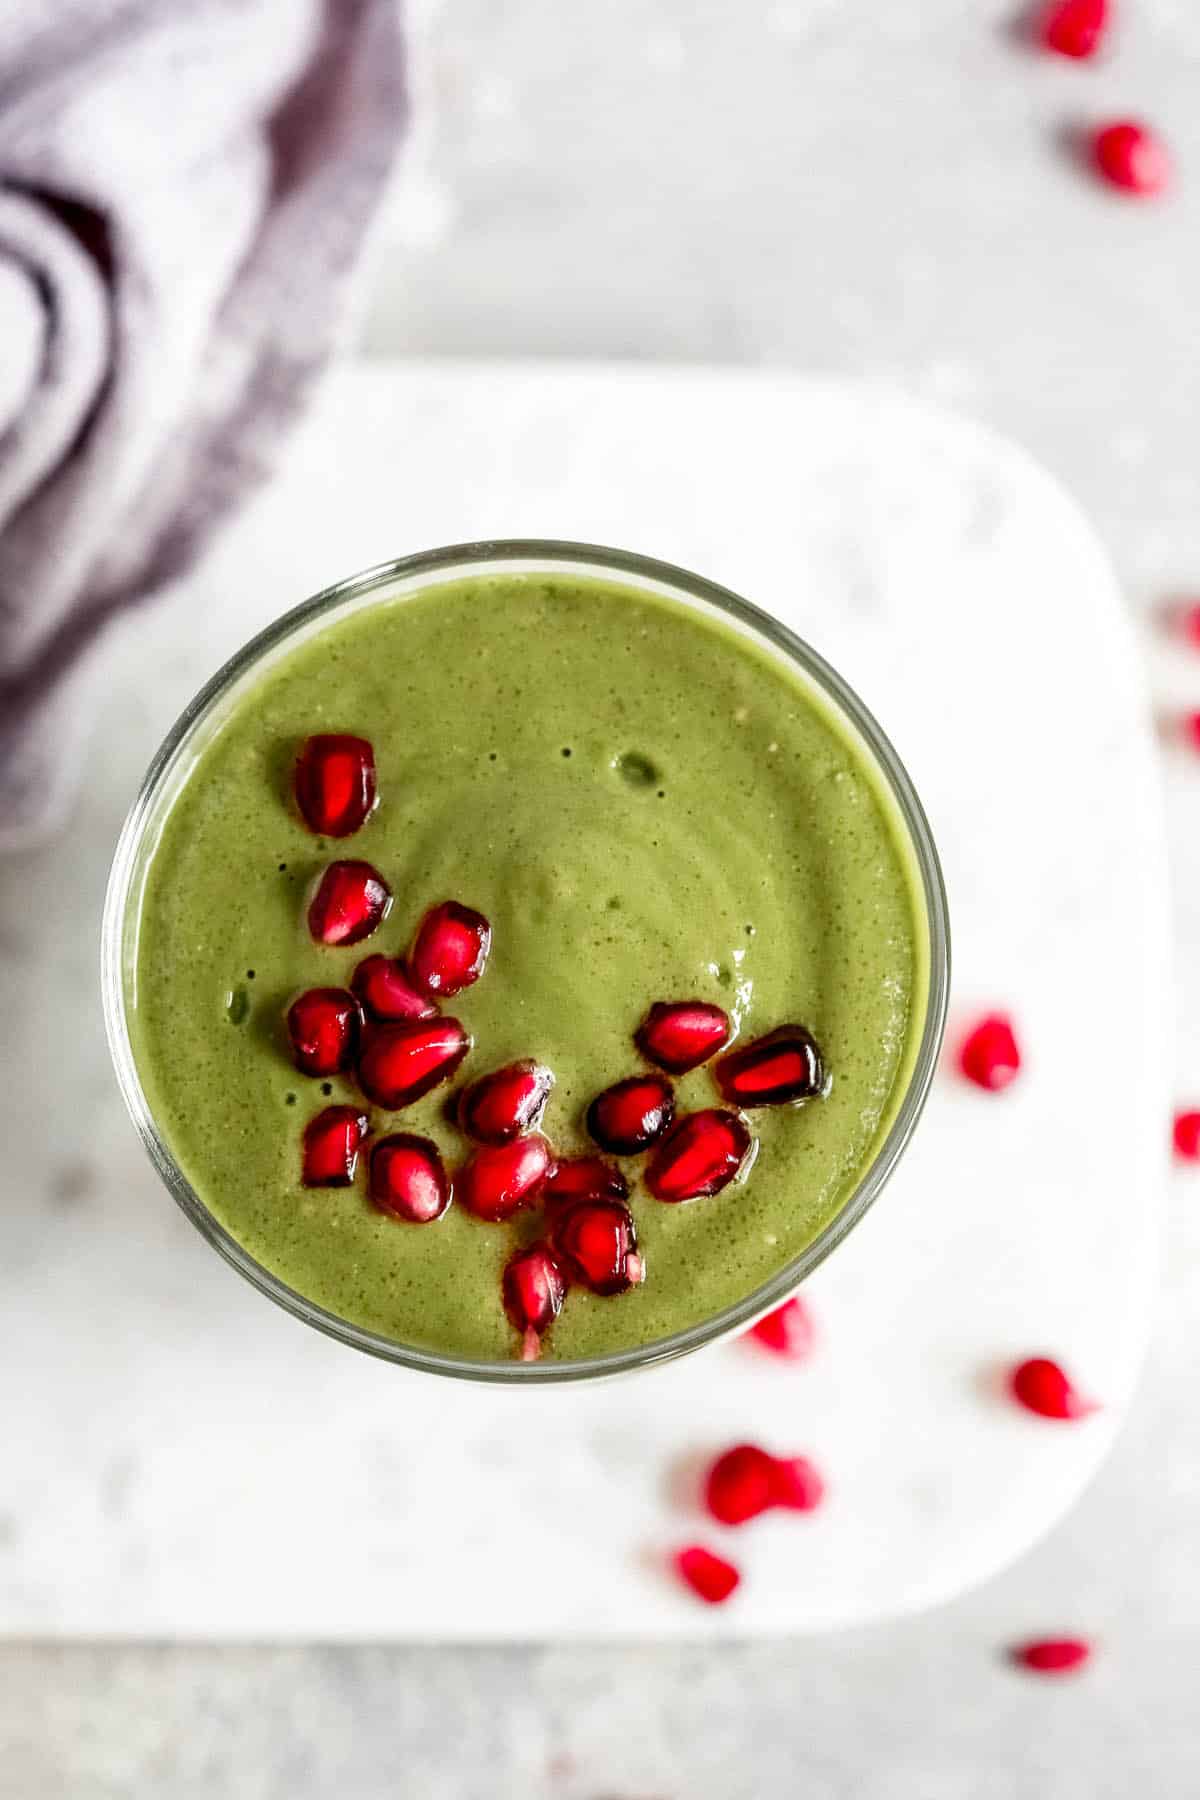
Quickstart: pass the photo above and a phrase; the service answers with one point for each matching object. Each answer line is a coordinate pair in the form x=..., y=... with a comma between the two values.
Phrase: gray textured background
x=869, y=188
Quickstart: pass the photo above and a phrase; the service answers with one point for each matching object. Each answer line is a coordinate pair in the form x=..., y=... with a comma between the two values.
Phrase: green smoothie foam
x=646, y=806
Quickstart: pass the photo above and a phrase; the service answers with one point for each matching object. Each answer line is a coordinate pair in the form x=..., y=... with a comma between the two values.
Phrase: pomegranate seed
x=331, y=1144
x=1187, y=1136
x=1044, y=1387
x=796, y=1484
x=534, y=1287
x=323, y=1026
x=788, y=1331
x=498, y=1179
x=1189, y=725
x=780, y=1069
x=351, y=899
x=632, y=1114
x=680, y=1035
x=1074, y=27
x=584, y=1178
x=399, y=1063
x=1132, y=157
x=1051, y=1656
x=700, y=1155
x=709, y=1576
x=408, y=1179
x=450, y=948
x=335, y=784
x=597, y=1240
x=383, y=986
x=739, y=1485
x=505, y=1104
x=1189, y=624
x=989, y=1055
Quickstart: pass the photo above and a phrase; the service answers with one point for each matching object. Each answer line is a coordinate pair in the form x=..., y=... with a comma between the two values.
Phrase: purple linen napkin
x=184, y=190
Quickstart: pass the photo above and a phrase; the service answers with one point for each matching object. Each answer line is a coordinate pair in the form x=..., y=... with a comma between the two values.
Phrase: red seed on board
x=450, y=949
x=323, y=1026
x=335, y=783
x=709, y=1576
x=1051, y=1656
x=780, y=1069
x=382, y=984
x=1074, y=27
x=1187, y=1136
x=679, y=1035
x=506, y=1103
x=350, y=900
x=989, y=1055
x=700, y=1155
x=596, y=1240
x=788, y=1331
x=534, y=1287
x=632, y=1114
x=1043, y=1386
x=584, y=1178
x=332, y=1142
x=738, y=1485
x=499, y=1179
x=796, y=1484
x=1131, y=156
x=407, y=1178
x=399, y=1063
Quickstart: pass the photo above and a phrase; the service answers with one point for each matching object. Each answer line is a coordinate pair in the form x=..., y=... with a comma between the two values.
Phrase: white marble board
x=182, y=1459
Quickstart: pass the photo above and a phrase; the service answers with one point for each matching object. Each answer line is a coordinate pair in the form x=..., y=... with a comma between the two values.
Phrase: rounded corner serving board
x=183, y=1460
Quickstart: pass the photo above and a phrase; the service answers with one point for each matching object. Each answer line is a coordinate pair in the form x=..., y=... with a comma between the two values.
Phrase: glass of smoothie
x=526, y=961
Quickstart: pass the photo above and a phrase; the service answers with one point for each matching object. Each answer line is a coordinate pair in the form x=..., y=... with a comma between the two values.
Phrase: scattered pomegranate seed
x=1131, y=156
x=498, y=1179
x=399, y=1063
x=335, y=784
x=1189, y=725
x=331, y=1145
x=1189, y=623
x=748, y=1480
x=738, y=1486
x=597, y=1241
x=709, y=1576
x=989, y=1055
x=1187, y=1136
x=1051, y=1656
x=450, y=948
x=796, y=1484
x=534, y=1287
x=1044, y=1387
x=632, y=1114
x=351, y=899
x=408, y=1179
x=584, y=1178
x=788, y=1331
x=505, y=1104
x=323, y=1026
x=700, y=1155
x=1074, y=27
x=383, y=986
x=779, y=1069
x=680, y=1035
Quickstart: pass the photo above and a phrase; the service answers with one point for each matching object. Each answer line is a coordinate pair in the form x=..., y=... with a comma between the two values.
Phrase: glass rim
x=598, y=560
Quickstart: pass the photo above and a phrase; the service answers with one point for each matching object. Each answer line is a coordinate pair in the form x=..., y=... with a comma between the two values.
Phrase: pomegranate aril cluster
x=387, y=1033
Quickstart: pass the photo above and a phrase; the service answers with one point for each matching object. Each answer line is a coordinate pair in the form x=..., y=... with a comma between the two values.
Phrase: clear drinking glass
x=406, y=577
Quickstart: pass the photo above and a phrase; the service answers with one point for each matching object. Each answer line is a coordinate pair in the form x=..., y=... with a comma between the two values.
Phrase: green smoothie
x=647, y=806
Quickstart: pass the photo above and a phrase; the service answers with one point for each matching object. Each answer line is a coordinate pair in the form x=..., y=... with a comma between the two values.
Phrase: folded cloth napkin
x=184, y=190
